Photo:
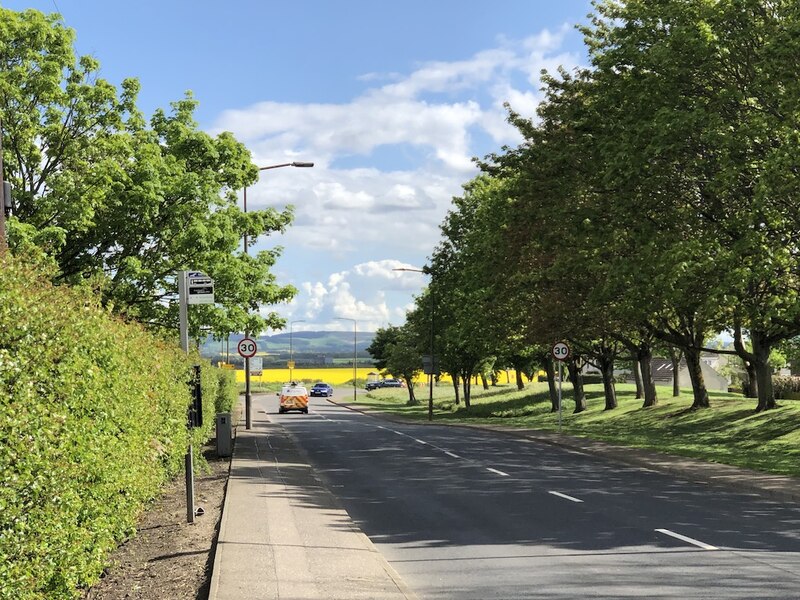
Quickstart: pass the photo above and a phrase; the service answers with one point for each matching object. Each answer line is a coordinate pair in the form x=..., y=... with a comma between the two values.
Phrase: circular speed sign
x=560, y=351
x=247, y=348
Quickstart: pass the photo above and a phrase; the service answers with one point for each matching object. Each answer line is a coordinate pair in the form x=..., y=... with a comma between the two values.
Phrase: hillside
x=328, y=343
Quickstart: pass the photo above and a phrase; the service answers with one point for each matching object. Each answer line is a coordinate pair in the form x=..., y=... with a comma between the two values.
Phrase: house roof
x=662, y=369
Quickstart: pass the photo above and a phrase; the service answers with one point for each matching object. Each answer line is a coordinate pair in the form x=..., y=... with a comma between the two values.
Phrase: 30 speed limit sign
x=247, y=348
x=560, y=351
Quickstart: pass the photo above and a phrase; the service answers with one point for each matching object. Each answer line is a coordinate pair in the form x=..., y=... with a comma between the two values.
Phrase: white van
x=293, y=397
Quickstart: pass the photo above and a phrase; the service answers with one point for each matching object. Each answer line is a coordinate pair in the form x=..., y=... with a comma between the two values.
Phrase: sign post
x=193, y=288
x=560, y=352
x=247, y=349
x=199, y=288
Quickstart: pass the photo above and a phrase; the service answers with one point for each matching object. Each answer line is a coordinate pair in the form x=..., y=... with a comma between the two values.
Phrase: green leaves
x=106, y=195
x=92, y=422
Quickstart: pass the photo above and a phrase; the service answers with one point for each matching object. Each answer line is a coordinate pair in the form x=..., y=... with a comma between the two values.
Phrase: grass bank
x=730, y=432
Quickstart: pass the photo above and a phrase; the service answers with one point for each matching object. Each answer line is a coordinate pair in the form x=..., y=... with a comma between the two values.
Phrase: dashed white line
x=420, y=442
x=451, y=454
x=688, y=540
x=498, y=472
x=570, y=498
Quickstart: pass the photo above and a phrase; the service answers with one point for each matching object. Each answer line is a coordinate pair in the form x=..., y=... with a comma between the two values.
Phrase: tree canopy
x=121, y=202
x=653, y=200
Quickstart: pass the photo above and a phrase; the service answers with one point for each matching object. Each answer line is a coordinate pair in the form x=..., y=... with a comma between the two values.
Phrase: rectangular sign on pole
x=256, y=365
x=200, y=288
x=430, y=366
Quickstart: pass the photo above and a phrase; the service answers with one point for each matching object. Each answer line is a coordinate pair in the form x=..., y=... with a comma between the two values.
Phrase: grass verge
x=730, y=432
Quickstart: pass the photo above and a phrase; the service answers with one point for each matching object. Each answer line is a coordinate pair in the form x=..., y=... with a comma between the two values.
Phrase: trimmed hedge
x=228, y=391
x=92, y=423
x=786, y=388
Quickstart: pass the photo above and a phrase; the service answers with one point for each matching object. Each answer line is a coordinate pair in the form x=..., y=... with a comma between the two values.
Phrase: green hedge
x=92, y=423
x=786, y=388
x=228, y=391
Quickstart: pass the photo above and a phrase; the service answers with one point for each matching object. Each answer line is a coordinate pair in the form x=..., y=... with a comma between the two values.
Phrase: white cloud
x=355, y=224
x=450, y=77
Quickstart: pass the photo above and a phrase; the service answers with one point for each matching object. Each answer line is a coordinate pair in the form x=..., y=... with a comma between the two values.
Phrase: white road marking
x=421, y=442
x=689, y=540
x=498, y=472
x=451, y=454
x=570, y=498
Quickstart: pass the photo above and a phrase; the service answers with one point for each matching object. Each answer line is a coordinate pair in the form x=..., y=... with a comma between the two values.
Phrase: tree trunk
x=412, y=399
x=696, y=374
x=575, y=376
x=467, y=389
x=675, y=359
x=750, y=387
x=456, y=388
x=761, y=351
x=758, y=361
x=494, y=379
x=520, y=383
x=484, y=382
x=609, y=390
x=644, y=355
x=549, y=366
x=637, y=377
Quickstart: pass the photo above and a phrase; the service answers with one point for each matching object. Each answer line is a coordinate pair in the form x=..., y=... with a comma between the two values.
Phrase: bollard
x=224, y=434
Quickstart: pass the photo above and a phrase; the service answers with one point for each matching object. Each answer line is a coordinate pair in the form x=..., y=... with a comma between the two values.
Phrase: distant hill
x=330, y=343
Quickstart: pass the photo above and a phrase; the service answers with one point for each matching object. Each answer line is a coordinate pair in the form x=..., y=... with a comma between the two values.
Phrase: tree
x=708, y=88
x=381, y=345
x=120, y=203
x=404, y=360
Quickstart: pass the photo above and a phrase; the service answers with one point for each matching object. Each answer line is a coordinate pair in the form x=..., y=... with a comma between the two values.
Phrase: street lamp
x=291, y=348
x=427, y=271
x=247, y=396
x=355, y=353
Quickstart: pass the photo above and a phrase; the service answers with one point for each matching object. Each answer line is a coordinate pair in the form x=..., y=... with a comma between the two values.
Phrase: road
x=464, y=514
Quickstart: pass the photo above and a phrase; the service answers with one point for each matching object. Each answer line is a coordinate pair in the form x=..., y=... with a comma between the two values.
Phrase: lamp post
x=355, y=353
x=291, y=348
x=247, y=396
x=427, y=271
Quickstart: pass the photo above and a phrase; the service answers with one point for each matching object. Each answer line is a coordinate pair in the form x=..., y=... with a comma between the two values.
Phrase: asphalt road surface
x=464, y=514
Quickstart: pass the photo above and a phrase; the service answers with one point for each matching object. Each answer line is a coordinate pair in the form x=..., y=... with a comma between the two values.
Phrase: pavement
x=284, y=535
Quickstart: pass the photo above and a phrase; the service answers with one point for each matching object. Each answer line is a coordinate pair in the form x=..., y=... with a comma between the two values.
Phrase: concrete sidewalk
x=284, y=535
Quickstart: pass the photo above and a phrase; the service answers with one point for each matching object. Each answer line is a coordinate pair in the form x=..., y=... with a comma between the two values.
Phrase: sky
x=391, y=101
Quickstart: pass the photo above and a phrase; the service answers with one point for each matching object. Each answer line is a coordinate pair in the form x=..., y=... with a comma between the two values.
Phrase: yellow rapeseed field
x=339, y=376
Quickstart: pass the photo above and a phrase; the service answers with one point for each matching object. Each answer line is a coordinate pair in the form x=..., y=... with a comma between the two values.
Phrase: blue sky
x=390, y=100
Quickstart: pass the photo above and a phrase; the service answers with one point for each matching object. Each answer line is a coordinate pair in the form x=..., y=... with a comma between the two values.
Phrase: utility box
x=224, y=434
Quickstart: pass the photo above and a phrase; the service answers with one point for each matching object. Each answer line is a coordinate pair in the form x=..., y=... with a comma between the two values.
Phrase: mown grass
x=730, y=432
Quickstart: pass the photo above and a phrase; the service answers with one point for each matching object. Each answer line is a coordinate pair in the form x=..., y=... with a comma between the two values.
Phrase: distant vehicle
x=322, y=389
x=385, y=383
x=393, y=383
x=293, y=397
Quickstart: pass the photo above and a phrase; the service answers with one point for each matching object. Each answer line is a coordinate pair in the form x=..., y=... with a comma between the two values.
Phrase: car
x=322, y=389
x=293, y=397
x=384, y=383
x=393, y=383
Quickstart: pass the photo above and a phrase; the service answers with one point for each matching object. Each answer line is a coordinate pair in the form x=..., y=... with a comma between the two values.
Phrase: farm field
x=339, y=376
